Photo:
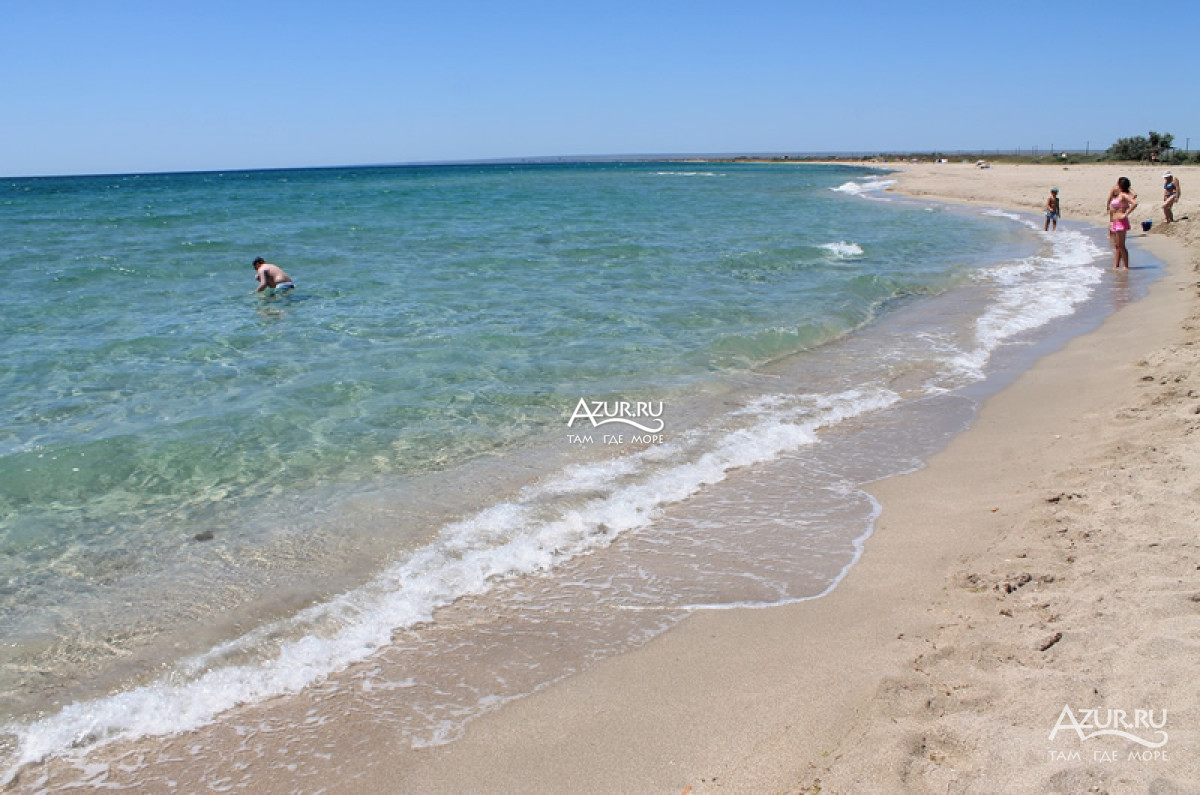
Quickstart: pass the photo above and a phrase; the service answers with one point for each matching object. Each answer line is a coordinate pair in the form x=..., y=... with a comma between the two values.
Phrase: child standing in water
x=1052, y=211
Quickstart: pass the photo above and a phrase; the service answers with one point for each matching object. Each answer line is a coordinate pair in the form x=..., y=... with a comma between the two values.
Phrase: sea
x=513, y=419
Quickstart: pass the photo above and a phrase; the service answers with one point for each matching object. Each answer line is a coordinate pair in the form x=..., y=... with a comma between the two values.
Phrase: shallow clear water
x=400, y=433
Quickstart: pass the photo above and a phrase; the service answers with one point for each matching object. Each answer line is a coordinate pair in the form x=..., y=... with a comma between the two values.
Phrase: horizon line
x=567, y=159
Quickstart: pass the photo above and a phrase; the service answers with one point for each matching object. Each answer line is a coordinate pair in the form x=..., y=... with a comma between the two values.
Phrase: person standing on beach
x=1172, y=192
x=271, y=277
x=1052, y=211
x=1121, y=202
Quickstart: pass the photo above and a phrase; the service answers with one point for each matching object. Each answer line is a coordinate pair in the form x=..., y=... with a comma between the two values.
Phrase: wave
x=843, y=250
x=577, y=510
x=871, y=188
x=998, y=213
x=535, y=532
x=1031, y=293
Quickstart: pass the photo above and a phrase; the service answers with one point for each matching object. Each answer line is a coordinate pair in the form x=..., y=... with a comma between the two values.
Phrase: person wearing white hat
x=1171, y=194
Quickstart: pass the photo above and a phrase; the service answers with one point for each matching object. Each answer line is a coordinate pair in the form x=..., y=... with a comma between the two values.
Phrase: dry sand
x=1046, y=559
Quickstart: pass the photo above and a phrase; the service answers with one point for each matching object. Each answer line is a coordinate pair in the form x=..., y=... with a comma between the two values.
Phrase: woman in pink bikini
x=1121, y=202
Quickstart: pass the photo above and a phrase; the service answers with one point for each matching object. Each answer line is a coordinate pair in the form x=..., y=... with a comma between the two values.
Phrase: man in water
x=271, y=277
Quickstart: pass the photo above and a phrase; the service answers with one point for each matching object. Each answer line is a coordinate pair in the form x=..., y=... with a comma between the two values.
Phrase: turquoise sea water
x=193, y=476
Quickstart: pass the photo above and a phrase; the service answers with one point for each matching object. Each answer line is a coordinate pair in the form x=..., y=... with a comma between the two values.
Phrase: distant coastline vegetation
x=1153, y=148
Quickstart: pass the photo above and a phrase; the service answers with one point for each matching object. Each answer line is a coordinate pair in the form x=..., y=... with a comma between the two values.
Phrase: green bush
x=1140, y=147
x=1135, y=148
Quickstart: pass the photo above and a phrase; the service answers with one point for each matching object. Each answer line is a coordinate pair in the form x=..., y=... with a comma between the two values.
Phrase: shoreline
x=1060, y=568
x=1042, y=558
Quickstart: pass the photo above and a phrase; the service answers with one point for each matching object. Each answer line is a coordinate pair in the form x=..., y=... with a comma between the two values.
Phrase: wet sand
x=1046, y=559
x=1043, y=565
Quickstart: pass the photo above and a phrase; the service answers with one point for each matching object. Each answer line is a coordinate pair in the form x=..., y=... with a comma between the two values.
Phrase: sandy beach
x=1023, y=617
x=1037, y=582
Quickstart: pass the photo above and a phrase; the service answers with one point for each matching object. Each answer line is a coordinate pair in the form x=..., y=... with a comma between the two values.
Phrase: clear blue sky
x=90, y=86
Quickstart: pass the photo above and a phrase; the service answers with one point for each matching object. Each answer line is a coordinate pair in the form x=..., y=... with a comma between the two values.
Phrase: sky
x=133, y=86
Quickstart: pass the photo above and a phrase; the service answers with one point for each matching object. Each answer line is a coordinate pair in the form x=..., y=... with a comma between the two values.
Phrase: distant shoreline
x=865, y=158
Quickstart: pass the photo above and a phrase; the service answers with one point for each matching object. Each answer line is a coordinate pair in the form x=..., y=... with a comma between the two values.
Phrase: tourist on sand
x=1052, y=210
x=1121, y=202
x=271, y=277
x=1171, y=194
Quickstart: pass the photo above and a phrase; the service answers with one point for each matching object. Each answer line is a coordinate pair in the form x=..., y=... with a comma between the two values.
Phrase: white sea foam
x=998, y=213
x=468, y=557
x=871, y=188
x=578, y=509
x=1022, y=220
x=1031, y=293
x=843, y=250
